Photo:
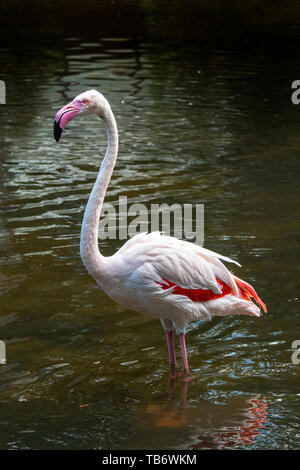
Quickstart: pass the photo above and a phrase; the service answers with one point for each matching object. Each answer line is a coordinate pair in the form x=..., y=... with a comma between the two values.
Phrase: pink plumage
x=156, y=275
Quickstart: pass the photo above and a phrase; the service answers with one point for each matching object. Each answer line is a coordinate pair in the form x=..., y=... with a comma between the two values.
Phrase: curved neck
x=89, y=249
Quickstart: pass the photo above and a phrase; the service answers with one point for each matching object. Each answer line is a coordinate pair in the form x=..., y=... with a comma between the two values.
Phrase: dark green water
x=198, y=123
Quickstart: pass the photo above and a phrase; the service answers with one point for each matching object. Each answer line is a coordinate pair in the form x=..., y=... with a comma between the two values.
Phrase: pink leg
x=187, y=375
x=172, y=354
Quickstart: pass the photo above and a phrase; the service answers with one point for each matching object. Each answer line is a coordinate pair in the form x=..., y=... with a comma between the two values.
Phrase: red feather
x=204, y=295
x=197, y=295
x=247, y=291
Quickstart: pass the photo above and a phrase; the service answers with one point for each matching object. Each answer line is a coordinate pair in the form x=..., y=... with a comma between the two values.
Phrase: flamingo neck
x=93, y=260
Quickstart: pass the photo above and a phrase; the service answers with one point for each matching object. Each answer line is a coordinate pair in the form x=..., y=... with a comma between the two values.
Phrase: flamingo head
x=89, y=102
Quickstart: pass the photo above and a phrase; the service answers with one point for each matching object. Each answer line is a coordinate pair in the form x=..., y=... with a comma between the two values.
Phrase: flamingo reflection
x=215, y=426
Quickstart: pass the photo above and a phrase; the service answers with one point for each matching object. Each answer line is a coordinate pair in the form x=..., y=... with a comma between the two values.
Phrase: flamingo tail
x=247, y=291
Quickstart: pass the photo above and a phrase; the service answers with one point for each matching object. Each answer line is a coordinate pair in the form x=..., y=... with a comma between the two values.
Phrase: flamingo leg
x=172, y=354
x=187, y=374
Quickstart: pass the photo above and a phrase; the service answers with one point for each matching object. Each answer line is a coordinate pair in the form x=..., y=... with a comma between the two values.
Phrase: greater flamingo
x=154, y=274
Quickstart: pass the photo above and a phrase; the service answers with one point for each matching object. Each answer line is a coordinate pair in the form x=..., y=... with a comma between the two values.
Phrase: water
x=212, y=125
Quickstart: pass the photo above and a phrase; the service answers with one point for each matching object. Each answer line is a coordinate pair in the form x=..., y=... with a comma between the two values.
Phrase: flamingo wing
x=179, y=264
x=189, y=269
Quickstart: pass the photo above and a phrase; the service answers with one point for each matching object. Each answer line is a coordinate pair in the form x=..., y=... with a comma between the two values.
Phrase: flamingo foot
x=174, y=374
x=188, y=377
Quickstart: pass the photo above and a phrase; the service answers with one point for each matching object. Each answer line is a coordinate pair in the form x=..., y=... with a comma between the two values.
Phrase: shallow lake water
x=212, y=126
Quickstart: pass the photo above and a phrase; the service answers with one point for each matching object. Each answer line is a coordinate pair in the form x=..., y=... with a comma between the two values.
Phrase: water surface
x=197, y=125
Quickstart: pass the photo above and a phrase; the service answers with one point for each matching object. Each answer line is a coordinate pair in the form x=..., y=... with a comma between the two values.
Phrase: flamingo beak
x=64, y=115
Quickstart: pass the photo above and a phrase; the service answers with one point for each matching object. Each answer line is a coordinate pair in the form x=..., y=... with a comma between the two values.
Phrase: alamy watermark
x=2, y=92
x=2, y=352
x=295, y=97
x=296, y=352
x=120, y=221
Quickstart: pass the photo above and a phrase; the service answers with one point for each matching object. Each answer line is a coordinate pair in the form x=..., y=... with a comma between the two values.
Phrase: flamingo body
x=154, y=274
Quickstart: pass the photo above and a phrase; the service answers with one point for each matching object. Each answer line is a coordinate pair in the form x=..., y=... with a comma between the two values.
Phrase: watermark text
x=123, y=221
x=2, y=92
x=2, y=352
x=296, y=352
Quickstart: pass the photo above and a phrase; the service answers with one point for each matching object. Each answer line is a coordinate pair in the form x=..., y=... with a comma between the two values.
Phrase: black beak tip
x=57, y=131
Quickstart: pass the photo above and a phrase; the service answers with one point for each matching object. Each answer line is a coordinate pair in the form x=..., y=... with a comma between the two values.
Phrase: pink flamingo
x=156, y=275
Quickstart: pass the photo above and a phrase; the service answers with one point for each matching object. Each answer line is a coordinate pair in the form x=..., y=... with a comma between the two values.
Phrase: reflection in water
x=231, y=425
x=242, y=433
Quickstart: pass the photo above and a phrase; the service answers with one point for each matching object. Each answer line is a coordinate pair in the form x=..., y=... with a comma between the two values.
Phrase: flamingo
x=152, y=273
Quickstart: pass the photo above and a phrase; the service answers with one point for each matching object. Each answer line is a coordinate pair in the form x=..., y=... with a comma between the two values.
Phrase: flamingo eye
x=85, y=100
